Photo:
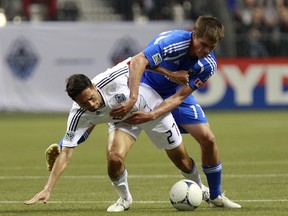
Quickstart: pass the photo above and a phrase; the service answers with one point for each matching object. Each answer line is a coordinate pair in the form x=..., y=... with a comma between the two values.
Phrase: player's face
x=201, y=47
x=89, y=99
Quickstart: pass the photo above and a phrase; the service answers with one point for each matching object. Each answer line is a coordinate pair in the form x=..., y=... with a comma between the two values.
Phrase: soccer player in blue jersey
x=190, y=51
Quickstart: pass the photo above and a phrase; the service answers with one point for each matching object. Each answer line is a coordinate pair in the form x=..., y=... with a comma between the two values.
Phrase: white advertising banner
x=36, y=59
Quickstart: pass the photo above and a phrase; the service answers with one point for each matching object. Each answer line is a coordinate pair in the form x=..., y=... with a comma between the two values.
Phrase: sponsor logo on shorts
x=69, y=136
x=157, y=58
x=198, y=83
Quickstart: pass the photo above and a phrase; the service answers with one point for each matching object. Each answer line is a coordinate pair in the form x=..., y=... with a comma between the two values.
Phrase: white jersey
x=113, y=87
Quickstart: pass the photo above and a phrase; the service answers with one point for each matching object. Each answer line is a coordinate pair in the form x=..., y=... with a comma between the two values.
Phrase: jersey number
x=169, y=132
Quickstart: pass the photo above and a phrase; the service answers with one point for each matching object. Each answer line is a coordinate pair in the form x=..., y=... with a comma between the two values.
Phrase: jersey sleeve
x=154, y=54
x=77, y=125
x=204, y=69
x=168, y=46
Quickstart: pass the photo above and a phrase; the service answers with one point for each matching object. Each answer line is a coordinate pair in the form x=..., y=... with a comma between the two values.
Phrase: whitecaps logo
x=124, y=48
x=22, y=58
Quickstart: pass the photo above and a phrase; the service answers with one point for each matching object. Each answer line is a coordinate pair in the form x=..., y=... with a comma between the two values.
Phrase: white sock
x=121, y=186
x=193, y=175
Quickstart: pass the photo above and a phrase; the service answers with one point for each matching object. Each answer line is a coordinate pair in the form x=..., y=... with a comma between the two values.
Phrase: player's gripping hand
x=139, y=117
x=42, y=195
x=181, y=77
x=123, y=109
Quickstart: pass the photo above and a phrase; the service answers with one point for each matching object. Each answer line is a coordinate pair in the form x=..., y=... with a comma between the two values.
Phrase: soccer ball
x=185, y=195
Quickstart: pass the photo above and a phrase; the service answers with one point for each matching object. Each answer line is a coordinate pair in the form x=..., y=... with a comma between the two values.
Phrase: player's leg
x=192, y=119
x=165, y=134
x=184, y=163
x=210, y=156
x=187, y=166
x=203, y=134
x=119, y=143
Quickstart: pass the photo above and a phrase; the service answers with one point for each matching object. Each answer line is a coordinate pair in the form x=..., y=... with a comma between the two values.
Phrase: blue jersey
x=170, y=50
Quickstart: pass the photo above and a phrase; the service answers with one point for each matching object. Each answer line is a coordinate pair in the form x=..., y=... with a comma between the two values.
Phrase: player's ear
x=193, y=36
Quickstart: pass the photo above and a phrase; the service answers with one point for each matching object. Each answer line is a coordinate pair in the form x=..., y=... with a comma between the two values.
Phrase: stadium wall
x=37, y=58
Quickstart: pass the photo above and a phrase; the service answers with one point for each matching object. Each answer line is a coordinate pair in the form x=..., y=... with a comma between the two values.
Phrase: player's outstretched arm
x=58, y=167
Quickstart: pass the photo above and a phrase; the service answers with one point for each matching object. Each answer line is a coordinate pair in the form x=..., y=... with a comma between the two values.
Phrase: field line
x=137, y=202
x=275, y=175
x=164, y=164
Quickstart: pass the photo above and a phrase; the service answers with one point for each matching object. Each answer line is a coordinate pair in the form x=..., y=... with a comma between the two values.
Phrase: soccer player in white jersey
x=190, y=51
x=93, y=103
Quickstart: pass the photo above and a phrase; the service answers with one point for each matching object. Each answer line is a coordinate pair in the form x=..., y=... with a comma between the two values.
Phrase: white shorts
x=163, y=131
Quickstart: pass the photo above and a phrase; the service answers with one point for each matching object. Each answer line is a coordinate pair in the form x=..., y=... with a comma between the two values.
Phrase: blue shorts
x=189, y=112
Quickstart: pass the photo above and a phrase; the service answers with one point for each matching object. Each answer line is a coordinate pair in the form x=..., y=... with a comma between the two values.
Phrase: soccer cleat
x=205, y=194
x=51, y=154
x=223, y=202
x=120, y=206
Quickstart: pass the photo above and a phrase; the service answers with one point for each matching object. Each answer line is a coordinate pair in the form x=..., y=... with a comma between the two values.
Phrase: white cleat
x=120, y=206
x=223, y=202
x=205, y=194
x=51, y=154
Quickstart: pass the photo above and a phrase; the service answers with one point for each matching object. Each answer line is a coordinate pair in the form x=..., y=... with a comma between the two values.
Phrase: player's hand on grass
x=140, y=117
x=124, y=108
x=42, y=195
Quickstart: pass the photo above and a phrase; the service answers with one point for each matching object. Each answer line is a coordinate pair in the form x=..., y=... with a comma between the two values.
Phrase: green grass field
x=253, y=148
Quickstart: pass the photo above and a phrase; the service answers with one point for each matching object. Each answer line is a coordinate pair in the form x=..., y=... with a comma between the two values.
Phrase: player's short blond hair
x=209, y=27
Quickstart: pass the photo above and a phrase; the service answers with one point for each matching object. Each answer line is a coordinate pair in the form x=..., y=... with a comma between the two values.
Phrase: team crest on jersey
x=69, y=136
x=157, y=58
x=198, y=83
x=120, y=98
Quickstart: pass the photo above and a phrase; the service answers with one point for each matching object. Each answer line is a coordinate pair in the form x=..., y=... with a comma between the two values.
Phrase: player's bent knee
x=114, y=159
x=208, y=141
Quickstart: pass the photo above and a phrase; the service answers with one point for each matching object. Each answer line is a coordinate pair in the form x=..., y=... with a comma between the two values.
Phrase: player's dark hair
x=210, y=27
x=76, y=84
